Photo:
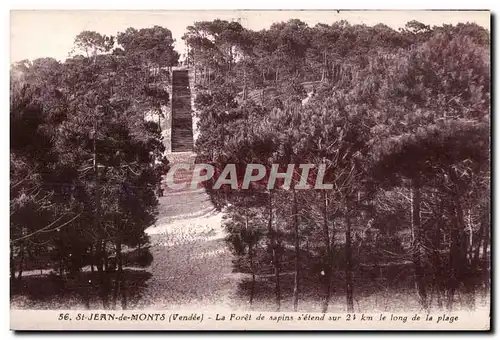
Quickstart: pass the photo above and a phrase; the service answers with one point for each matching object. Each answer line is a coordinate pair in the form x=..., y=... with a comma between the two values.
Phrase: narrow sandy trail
x=192, y=265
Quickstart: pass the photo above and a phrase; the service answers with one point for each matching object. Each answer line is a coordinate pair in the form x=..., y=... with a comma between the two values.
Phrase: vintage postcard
x=250, y=170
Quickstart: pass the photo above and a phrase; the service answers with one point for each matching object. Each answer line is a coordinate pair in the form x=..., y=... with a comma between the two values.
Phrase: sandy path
x=192, y=266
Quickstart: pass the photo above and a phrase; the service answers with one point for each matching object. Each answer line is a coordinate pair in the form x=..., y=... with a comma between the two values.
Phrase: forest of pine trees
x=85, y=165
x=400, y=118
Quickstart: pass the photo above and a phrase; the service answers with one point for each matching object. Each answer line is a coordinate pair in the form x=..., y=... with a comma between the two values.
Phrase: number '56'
x=64, y=316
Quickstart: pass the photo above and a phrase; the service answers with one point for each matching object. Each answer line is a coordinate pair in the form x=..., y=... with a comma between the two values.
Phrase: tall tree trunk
x=450, y=284
x=92, y=259
x=194, y=65
x=470, y=244
x=86, y=287
x=251, y=256
x=486, y=259
x=458, y=251
x=479, y=241
x=21, y=261
x=61, y=263
x=98, y=257
x=297, y=250
x=103, y=279
x=323, y=73
x=245, y=94
x=119, y=255
x=104, y=255
x=348, y=265
x=436, y=260
x=12, y=264
x=418, y=249
x=328, y=254
x=116, y=293
x=486, y=239
x=273, y=235
x=252, y=268
x=462, y=267
x=124, y=284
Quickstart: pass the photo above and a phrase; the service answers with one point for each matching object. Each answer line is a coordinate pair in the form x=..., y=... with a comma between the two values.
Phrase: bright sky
x=50, y=33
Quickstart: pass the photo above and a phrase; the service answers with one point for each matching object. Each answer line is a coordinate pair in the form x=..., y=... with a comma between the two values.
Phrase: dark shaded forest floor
x=199, y=274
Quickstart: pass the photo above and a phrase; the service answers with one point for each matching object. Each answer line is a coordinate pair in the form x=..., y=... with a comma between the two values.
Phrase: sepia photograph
x=250, y=169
